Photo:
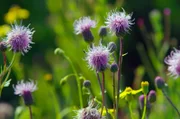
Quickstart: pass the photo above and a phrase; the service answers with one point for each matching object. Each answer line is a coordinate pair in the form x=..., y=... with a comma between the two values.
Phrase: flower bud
x=3, y=46
x=88, y=36
x=159, y=82
x=27, y=96
x=167, y=11
x=141, y=103
x=102, y=31
x=112, y=47
x=114, y=67
x=152, y=96
x=145, y=87
x=87, y=84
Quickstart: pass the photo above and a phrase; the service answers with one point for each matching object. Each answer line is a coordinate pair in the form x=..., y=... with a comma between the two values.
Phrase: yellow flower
x=48, y=77
x=16, y=13
x=4, y=29
x=129, y=92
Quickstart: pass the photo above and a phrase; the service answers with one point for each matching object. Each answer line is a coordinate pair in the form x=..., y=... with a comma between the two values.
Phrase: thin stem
x=130, y=109
x=119, y=76
x=103, y=92
x=4, y=58
x=30, y=112
x=2, y=85
x=97, y=74
x=169, y=100
x=78, y=81
x=114, y=99
x=6, y=69
x=144, y=110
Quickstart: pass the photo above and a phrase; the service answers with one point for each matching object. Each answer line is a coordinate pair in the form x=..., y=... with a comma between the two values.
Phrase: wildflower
x=98, y=57
x=83, y=26
x=88, y=113
x=25, y=90
x=20, y=38
x=16, y=13
x=152, y=96
x=173, y=62
x=159, y=82
x=128, y=93
x=119, y=22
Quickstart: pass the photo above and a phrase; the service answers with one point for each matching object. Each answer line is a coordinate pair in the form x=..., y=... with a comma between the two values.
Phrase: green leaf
x=7, y=83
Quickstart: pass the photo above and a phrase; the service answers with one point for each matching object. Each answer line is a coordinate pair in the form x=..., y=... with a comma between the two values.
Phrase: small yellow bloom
x=48, y=77
x=4, y=29
x=145, y=86
x=129, y=91
x=16, y=13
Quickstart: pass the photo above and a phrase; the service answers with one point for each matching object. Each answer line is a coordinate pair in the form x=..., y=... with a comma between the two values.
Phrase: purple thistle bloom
x=119, y=22
x=98, y=57
x=173, y=62
x=25, y=90
x=83, y=26
x=20, y=38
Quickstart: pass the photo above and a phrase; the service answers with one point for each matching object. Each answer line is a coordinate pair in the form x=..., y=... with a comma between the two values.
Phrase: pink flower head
x=173, y=62
x=25, y=90
x=20, y=38
x=119, y=22
x=83, y=26
x=98, y=57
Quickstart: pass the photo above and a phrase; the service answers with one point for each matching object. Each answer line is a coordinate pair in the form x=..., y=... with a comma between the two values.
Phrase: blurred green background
x=53, y=22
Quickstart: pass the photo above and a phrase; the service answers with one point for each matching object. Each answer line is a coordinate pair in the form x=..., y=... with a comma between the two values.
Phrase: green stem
x=144, y=110
x=169, y=100
x=130, y=109
x=99, y=81
x=114, y=99
x=6, y=69
x=30, y=112
x=103, y=92
x=78, y=81
x=119, y=76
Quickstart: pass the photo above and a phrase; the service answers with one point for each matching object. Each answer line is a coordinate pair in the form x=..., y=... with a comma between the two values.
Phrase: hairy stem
x=119, y=76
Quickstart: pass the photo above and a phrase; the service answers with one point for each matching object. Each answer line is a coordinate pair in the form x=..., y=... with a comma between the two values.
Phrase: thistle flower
x=88, y=113
x=119, y=22
x=25, y=90
x=173, y=62
x=83, y=26
x=20, y=38
x=98, y=57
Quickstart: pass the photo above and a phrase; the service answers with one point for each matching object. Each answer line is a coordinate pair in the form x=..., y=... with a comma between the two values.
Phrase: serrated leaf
x=7, y=83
